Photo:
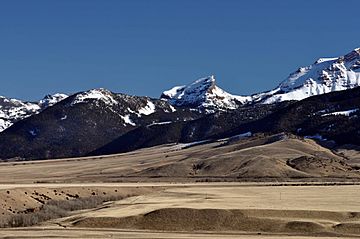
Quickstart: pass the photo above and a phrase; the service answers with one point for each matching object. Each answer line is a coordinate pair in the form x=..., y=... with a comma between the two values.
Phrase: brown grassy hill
x=278, y=156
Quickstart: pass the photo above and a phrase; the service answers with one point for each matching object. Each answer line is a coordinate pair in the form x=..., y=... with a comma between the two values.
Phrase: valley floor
x=202, y=210
x=290, y=188
x=277, y=158
x=45, y=232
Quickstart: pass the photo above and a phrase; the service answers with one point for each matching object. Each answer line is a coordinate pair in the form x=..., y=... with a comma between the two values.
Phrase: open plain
x=205, y=210
x=257, y=159
x=267, y=187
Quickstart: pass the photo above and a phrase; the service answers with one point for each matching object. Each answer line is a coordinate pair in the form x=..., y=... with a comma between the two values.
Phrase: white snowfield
x=127, y=120
x=148, y=109
x=324, y=76
x=95, y=94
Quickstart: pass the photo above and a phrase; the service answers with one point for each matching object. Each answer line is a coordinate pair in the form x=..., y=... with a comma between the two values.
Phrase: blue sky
x=143, y=47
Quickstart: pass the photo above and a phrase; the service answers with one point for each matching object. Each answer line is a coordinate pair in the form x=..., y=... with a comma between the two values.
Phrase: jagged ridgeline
x=318, y=101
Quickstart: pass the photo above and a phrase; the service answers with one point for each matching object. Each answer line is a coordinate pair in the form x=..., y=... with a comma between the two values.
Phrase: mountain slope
x=277, y=156
x=328, y=117
x=82, y=123
x=203, y=94
x=13, y=110
x=324, y=76
x=102, y=122
x=333, y=116
x=203, y=128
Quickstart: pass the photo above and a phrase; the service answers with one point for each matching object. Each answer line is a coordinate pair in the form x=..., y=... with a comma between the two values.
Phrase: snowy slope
x=12, y=110
x=50, y=100
x=324, y=76
x=131, y=110
x=95, y=94
x=203, y=94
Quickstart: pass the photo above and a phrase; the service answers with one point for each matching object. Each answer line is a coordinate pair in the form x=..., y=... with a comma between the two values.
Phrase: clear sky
x=143, y=47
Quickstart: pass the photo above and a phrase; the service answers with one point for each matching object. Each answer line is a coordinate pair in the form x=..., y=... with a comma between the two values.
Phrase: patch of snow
x=131, y=111
x=173, y=91
x=95, y=94
x=51, y=100
x=243, y=135
x=127, y=120
x=321, y=60
x=316, y=136
x=159, y=123
x=13, y=110
x=33, y=132
x=345, y=112
x=186, y=145
x=172, y=108
x=236, y=137
x=148, y=109
x=4, y=124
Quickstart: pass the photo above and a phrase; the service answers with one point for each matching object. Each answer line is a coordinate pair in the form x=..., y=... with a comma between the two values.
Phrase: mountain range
x=318, y=101
x=13, y=110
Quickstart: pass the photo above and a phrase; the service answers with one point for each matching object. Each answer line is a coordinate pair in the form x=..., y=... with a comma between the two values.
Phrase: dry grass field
x=290, y=188
x=271, y=158
x=204, y=210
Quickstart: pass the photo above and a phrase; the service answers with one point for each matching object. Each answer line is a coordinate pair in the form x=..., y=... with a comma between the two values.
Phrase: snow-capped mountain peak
x=168, y=94
x=100, y=94
x=204, y=94
x=13, y=110
x=50, y=100
x=193, y=90
x=324, y=76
